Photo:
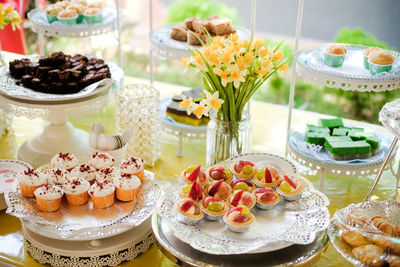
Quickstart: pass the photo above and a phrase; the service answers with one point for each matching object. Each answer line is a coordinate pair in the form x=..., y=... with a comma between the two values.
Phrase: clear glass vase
x=226, y=139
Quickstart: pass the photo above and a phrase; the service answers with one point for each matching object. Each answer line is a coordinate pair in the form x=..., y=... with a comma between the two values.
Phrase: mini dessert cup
x=64, y=161
x=134, y=166
x=93, y=15
x=293, y=194
x=377, y=68
x=244, y=169
x=51, y=18
x=239, y=228
x=259, y=178
x=334, y=60
x=106, y=174
x=218, y=189
x=189, y=216
x=101, y=160
x=267, y=204
x=213, y=215
x=28, y=190
x=243, y=184
x=76, y=191
x=249, y=203
x=102, y=194
x=68, y=21
x=219, y=172
x=118, y=154
x=188, y=175
x=85, y=171
x=366, y=63
x=48, y=197
x=236, y=226
x=127, y=187
x=56, y=176
x=29, y=181
x=191, y=191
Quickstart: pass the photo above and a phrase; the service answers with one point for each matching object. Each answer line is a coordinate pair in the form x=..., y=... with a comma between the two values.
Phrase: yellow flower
x=245, y=43
x=263, y=72
x=284, y=67
x=8, y=10
x=240, y=62
x=214, y=59
x=185, y=102
x=227, y=57
x=263, y=52
x=207, y=52
x=236, y=76
x=213, y=101
x=185, y=61
x=248, y=56
x=259, y=43
x=223, y=74
x=266, y=63
x=200, y=109
x=199, y=60
x=234, y=37
x=278, y=55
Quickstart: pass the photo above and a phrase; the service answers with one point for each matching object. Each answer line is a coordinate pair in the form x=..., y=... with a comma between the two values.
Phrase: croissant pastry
x=387, y=245
x=397, y=230
x=369, y=254
x=356, y=218
x=383, y=225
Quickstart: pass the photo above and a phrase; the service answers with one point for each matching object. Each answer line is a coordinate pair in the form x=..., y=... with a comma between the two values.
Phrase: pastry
x=192, y=191
x=243, y=184
x=366, y=54
x=393, y=260
x=354, y=239
x=29, y=180
x=64, y=161
x=291, y=188
x=102, y=194
x=93, y=15
x=387, y=244
x=397, y=230
x=380, y=61
x=369, y=254
x=56, y=176
x=334, y=55
x=76, y=190
x=221, y=26
x=383, y=225
x=81, y=2
x=201, y=25
x=240, y=197
x=101, y=160
x=188, y=211
x=106, y=174
x=85, y=171
x=219, y=172
x=127, y=187
x=267, y=177
x=48, y=197
x=189, y=23
x=192, y=173
x=267, y=198
x=133, y=166
x=52, y=11
x=356, y=219
x=67, y=13
x=179, y=33
x=336, y=49
x=79, y=9
x=239, y=219
x=244, y=169
x=213, y=208
x=219, y=189
x=195, y=38
x=95, y=4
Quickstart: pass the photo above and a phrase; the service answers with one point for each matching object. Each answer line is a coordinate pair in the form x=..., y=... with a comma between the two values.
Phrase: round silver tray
x=56, y=29
x=352, y=75
x=165, y=47
x=180, y=252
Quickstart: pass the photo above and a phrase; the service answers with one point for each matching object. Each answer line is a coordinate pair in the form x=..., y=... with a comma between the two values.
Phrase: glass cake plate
x=389, y=209
x=290, y=222
x=85, y=222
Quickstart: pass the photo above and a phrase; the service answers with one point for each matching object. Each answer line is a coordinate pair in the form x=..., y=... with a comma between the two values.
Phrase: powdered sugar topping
x=127, y=182
x=64, y=161
x=101, y=189
x=31, y=177
x=101, y=160
x=131, y=165
x=76, y=186
x=49, y=191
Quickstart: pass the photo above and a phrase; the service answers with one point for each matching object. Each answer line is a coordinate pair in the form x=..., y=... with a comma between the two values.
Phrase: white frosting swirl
x=76, y=186
x=106, y=174
x=99, y=189
x=64, y=161
x=127, y=182
x=56, y=176
x=84, y=171
x=101, y=160
x=31, y=177
x=131, y=165
x=49, y=191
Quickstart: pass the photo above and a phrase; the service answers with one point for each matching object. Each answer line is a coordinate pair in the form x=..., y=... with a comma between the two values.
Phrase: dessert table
x=269, y=125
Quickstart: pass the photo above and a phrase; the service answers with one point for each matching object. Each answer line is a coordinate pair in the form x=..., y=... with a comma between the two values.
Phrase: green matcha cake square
x=317, y=138
x=331, y=123
x=339, y=132
x=374, y=142
x=314, y=128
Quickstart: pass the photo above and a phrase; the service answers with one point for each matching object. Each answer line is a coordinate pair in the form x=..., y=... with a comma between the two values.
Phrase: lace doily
x=113, y=259
x=98, y=223
x=389, y=116
x=295, y=222
x=352, y=75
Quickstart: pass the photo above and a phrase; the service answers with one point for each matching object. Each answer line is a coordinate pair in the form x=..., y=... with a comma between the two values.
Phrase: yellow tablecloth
x=269, y=132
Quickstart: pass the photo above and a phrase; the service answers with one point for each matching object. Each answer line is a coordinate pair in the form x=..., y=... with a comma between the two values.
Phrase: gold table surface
x=269, y=134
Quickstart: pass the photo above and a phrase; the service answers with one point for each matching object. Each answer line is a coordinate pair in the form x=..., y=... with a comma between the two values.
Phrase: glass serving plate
x=85, y=222
x=290, y=222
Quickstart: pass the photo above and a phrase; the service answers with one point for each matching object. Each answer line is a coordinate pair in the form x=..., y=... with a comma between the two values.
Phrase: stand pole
x=150, y=34
x=379, y=174
x=253, y=18
x=119, y=34
x=293, y=78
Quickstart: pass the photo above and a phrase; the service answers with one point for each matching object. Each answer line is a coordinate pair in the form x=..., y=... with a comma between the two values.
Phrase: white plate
x=9, y=171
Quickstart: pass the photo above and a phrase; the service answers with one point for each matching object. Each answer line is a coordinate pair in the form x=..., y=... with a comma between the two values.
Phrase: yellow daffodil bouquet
x=7, y=16
x=233, y=69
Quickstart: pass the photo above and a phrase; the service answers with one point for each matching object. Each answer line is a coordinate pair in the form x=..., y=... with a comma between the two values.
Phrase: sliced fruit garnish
x=215, y=206
x=247, y=200
x=224, y=191
x=239, y=166
x=190, y=169
x=196, y=209
x=274, y=173
x=228, y=174
x=195, y=191
x=241, y=186
x=260, y=190
x=208, y=200
x=236, y=198
x=186, y=189
x=287, y=179
x=218, y=173
x=244, y=210
x=187, y=205
x=202, y=177
x=268, y=196
x=260, y=175
x=214, y=189
x=241, y=218
x=239, y=209
x=285, y=187
x=194, y=174
x=267, y=176
x=248, y=169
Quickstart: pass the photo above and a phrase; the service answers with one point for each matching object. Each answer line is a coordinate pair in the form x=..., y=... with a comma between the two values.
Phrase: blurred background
x=367, y=22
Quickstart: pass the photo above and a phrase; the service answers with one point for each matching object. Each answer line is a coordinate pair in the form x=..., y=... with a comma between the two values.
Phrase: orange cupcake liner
x=126, y=195
x=28, y=190
x=48, y=204
x=140, y=174
x=103, y=202
x=77, y=200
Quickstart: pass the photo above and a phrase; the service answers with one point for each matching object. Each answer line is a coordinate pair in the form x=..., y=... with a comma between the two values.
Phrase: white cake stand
x=59, y=135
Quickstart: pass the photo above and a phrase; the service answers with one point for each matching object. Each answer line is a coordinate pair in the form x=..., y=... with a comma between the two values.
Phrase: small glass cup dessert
x=106, y=174
x=134, y=166
x=291, y=189
x=244, y=169
x=127, y=187
x=239, y=219
x=101, y=160
x=85, y=171
x=218, y=189
x=213, y=208
x=64, y=161
x=267, y=177
x=243, y=184
x=192, y=173
x=102, y=194
x=29, y=181
x=188, y=211
x=219, y=172
x=76, y=191
x=267, y=198
x=240, y=197
x=334, y=55
x=56, y=176
x=48, y=197
x=192, y=191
